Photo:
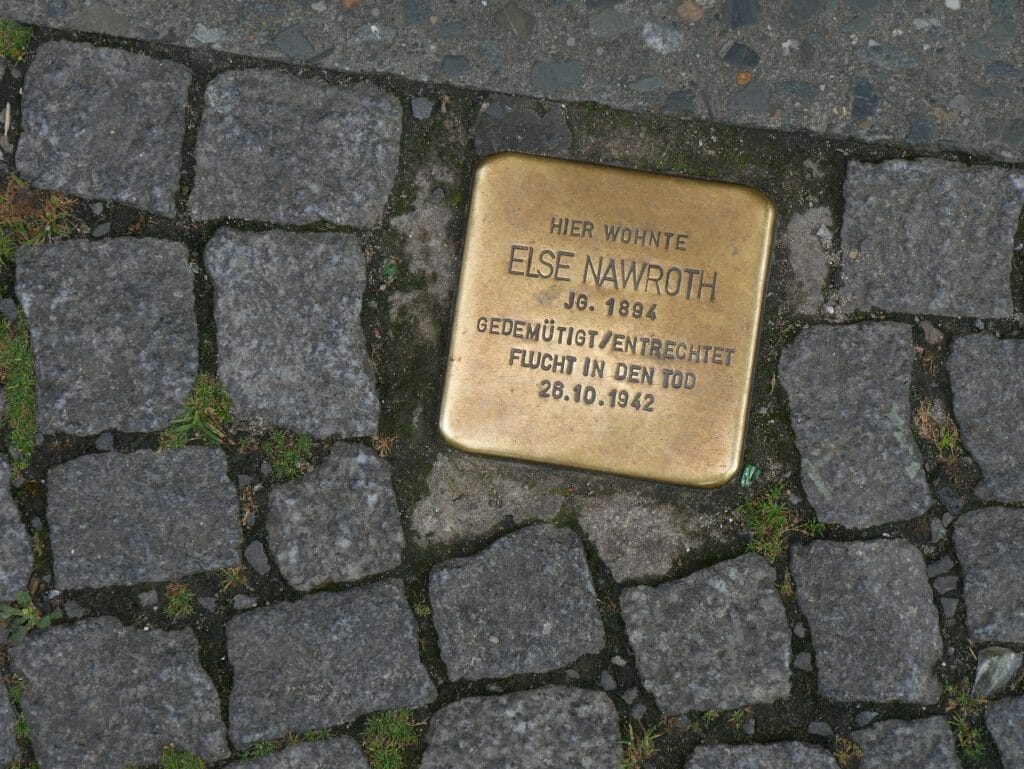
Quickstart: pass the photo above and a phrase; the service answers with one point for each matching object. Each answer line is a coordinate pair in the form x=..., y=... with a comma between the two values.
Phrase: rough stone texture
x=338, y=523
x=290, y=346
x=635, y=537
x=879, y=589
x=988, y=400
x=849, y=391
x=779, y=755
x=8, y=747
x=997, y=666
x=99, y=695
x=118, y=519
x=15, y=546
x=113, y=333
x=524, y=605
x=516, y=124
x=990, y=544
x=1005, y=721
x=554, y=727
x=104, y=123
x=808, y=237
x=324, y=660
x=924, y=744
x=277, y=148
x=471, y=496
x=929, y=236
x=717, y=639
x=339, y=753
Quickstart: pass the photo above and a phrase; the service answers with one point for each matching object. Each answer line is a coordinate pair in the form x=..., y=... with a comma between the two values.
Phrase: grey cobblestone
x=338, y=523
x=929, y=236
x=15, y=547
x=554, y=727
x=779, y=755
x=923, y=744
x=104, y=123
x=990, y=545
x=717, y=639
x=984, y=373
x=1005, y=721
x=118, y=519
x=880, y=589
x=848, y=389
x=291, y=351
x=8, y=747
x=339, y=753
x=113, y=332
x=524, y=605
x=99, y=695
x=277, y=148
x=324, y=660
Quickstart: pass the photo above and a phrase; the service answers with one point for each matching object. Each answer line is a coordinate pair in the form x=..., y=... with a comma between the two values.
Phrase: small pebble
x=865, y=717
x=257, y=557
x=74, y=610
x=819, y=728
x=105, y=442
x=941, y=566
x=421, y=107
x=637, y=711
x=148, y=598
x=242, y=602
x=607, y=680
x=802, y=661
x=945, y=584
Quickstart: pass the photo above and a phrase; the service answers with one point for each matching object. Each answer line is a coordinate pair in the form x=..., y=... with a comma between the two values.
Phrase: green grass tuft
x=288, y=454
x=14, y=39
x=180, y=759
x=19, y=381
x=771, y=524
x=387, y=737
x=639, y=745
x=29, y=217
x=180, y=602
x=207, y=413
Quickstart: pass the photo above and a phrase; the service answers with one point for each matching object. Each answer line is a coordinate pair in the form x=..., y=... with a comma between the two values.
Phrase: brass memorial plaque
x=607, y=319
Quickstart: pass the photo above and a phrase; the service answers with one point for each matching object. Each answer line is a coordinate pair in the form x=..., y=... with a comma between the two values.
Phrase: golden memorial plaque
x=607, y=319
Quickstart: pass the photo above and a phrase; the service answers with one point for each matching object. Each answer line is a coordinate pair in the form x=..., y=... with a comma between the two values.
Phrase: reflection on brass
x=607, y=319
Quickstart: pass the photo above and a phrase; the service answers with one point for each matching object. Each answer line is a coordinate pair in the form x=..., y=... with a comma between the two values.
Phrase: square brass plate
x=607, y=319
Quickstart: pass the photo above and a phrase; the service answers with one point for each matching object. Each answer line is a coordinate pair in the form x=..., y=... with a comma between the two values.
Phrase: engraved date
x=588, y=395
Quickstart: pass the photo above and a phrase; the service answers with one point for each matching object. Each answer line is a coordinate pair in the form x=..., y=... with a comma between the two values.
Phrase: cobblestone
x=113, y=332
x=515, y=124
x=554, y=727
x=8, y=747
x=15, y=547
x=291, y=351
x=524, y=605
x=324, y=660
x=99, y=695
x=717, y=639
x=104, y=123
x=117, y=519
x=277, y=148
x=930, y=237
x=923, y=744
x=338, y=523
x=791, y=755
x=990, y=545
x=848, y=388
x=1005, y=721
x=879, y=588
x=984, y=373
x=339, y=753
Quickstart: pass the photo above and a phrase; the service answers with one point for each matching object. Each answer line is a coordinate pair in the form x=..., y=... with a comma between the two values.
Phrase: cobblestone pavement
x=315, y=580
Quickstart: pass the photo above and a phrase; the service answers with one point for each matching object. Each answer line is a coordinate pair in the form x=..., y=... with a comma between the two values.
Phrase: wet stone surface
x=8, y=747
x=281, y=149
x=324, y=660
x=338, y=523
x=879, y=588
x=990, y=545
x=291, y=351
x=984, y=373
x=339, y=753
x=506, y=123
x=104, y=123
x=117, y=519
x=717, y=639
x=554, y=727
x=15, y=546
x=929, y=236
x=924, y=744
x=526, y=604
x=848, y=388
x=99, y=695
x=113, y=332
x=1005, y=722
x=791, y=755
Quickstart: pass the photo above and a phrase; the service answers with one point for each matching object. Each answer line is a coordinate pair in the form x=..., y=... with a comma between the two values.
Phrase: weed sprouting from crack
x=846, y=751
x=24, y=616
x=771, y=523
x=19, y=382
x=173, y=758
x=205, y=418
x=29, y=217
x=180, y=602
x=387, y=738
x=14, y=40
x=233, y=577
x=964, y=709
x=289, y=455
x=639, y=745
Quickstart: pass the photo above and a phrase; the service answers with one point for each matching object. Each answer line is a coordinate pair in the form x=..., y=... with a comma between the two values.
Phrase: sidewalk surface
x=227, y=485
